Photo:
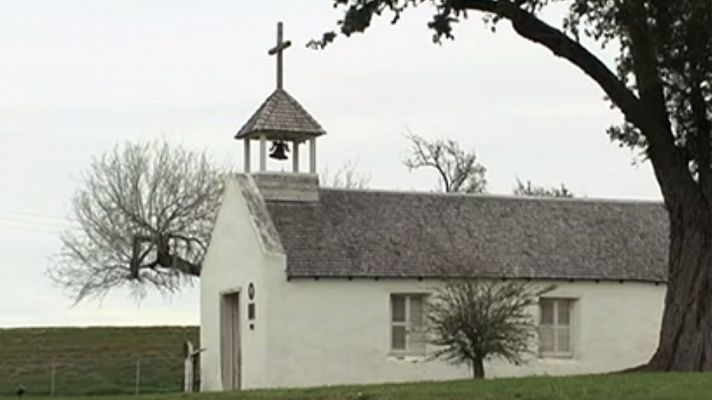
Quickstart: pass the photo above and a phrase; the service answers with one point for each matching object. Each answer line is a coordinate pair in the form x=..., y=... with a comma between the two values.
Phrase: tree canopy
x=348, y=176
x=458, y=169
x=662, y=84
x=473, y=320
x=145, y=214
x=529, y=189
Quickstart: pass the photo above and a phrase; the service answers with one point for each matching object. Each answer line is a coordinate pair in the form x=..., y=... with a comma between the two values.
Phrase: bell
x=279, y=150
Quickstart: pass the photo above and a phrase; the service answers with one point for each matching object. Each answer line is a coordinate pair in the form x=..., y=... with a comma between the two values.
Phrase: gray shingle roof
x=281, y=114
x=351, y=233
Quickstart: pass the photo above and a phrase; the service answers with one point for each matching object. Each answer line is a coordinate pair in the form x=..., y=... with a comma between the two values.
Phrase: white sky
x=76, y=77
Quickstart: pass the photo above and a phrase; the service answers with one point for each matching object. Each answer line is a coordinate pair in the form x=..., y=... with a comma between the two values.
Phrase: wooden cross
x=278, y=49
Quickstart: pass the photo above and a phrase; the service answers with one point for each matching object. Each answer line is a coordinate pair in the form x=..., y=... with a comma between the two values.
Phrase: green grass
x=102, y=361
x=91, y=361
x=601, y=387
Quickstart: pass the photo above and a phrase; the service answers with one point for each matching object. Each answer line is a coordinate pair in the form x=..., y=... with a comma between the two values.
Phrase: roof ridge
x=500, y=196
x=267, y=109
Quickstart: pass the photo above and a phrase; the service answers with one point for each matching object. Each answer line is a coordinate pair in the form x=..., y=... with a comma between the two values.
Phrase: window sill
x=556, y=358
x=412, y=358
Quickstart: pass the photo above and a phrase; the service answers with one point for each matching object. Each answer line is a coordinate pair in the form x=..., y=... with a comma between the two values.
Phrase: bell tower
x=282, y=121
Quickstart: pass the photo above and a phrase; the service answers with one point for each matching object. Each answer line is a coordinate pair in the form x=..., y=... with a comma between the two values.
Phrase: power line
x=13, y=210
x=32, y=221
x=28, y=229
x=33, y=214
x=37, y=222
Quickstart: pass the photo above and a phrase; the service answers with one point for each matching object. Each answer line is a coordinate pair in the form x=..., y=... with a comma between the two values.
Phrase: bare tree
x=346, y=177
x=529, y=189
x=472, y=320
x=458, y=170
x=145, y=213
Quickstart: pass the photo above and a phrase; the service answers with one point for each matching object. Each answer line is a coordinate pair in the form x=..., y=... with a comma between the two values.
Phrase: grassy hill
x=92, y=361
x=690, y=386
x=95, y=360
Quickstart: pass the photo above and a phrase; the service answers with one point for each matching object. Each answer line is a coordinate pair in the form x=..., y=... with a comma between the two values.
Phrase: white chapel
x=304, y=285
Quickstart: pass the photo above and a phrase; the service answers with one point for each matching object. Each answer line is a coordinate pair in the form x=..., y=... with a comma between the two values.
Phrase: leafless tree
x=458, y=170
x=346, y=177
x=145, y=214
x=529, y=189
x=472, y=320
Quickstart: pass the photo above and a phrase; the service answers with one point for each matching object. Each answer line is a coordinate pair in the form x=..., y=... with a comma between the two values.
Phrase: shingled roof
x=349, y=233
x=281, y=113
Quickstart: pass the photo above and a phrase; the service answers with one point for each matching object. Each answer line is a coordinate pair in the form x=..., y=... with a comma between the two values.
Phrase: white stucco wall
x=235, y=258
x=335, y=331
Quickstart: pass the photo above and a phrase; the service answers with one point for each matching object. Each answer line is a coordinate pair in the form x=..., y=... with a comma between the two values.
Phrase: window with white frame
x=408, y=324
x=555, y=327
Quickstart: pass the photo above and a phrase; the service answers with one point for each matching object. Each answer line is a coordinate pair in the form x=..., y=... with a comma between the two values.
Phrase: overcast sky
x=77, y=77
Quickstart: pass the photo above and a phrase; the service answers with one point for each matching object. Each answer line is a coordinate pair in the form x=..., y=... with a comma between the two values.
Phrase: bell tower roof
x=281, y=116
x=282, y=121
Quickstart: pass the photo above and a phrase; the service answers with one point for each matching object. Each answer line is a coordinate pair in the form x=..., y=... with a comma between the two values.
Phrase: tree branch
x=146, y=213
x=188, y=240
x=703, y=129
x=648, y=83
x=458, y=170
x=663, y=153
x=182, y=265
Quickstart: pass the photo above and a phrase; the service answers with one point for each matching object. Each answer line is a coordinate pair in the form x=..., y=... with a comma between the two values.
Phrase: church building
x=304, y=285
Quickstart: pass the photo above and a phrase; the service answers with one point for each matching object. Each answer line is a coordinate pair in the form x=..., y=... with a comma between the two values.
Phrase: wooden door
x=230, y=340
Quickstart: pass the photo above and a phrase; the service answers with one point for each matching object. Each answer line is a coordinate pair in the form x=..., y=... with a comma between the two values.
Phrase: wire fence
x=92, y=375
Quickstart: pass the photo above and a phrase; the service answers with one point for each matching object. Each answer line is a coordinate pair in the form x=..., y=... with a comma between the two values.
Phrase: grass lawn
x=93, y=360
x=606, y=387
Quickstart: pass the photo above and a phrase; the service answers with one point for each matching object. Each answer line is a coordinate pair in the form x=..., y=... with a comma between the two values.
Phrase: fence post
x=53, y=373
x=138, y=377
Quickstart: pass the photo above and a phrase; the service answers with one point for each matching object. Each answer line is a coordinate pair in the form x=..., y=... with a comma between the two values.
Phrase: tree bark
x=685, y=342
x=478, y=368
x=169, y=260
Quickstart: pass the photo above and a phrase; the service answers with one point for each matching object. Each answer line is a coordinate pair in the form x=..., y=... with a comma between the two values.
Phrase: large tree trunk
x=478, y=368
x=685, y=342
